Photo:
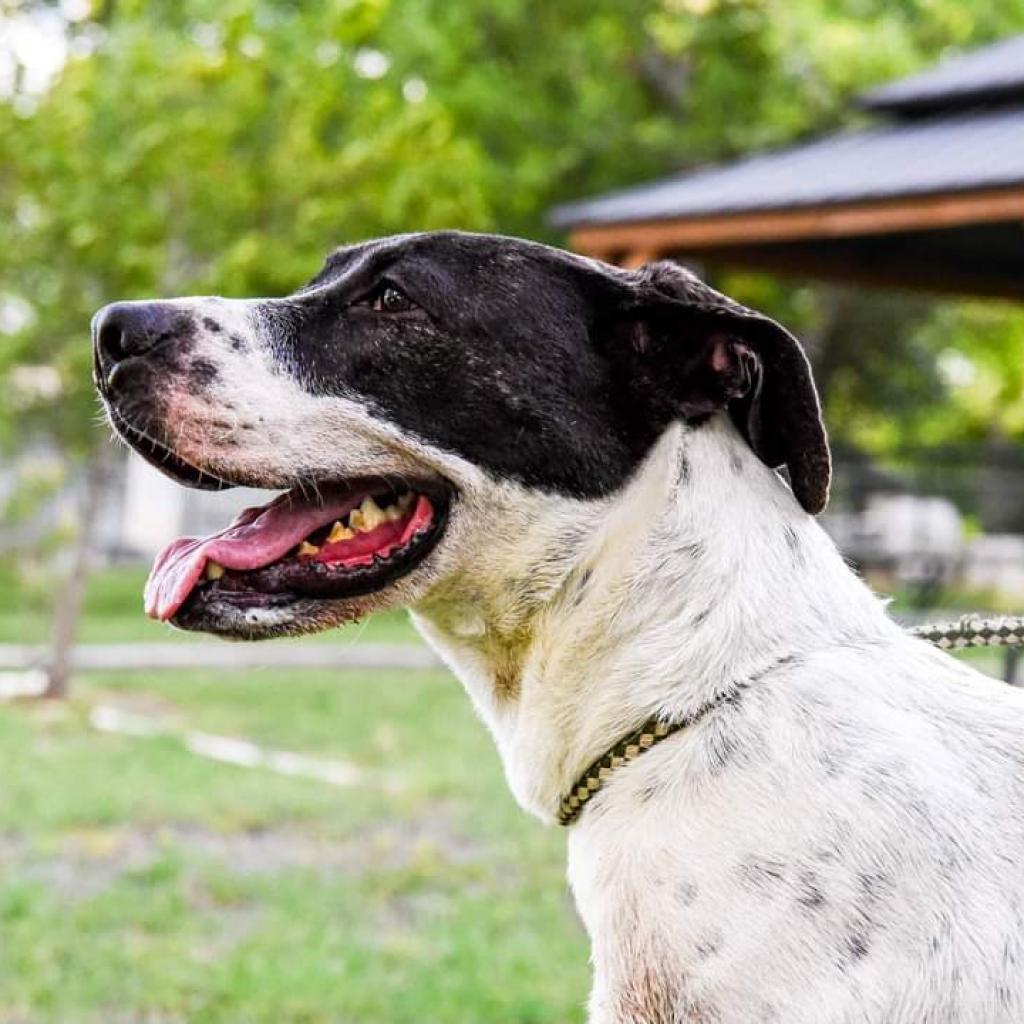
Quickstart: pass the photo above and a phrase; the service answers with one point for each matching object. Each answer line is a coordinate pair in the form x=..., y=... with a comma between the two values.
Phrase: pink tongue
x=257, y=537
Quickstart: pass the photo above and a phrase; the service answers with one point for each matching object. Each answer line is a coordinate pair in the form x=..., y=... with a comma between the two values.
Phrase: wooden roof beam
x=645, y=240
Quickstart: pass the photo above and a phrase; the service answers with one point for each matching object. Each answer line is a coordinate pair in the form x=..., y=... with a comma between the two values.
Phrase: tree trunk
x=68, y=606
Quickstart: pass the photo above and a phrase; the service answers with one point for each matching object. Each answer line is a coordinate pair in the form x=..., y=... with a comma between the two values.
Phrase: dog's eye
x=386, y=298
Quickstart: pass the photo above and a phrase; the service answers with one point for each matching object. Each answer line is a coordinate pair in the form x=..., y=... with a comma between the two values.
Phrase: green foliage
x=978, y=346
x=203, y=146
x=899, y=372
x=226, y=155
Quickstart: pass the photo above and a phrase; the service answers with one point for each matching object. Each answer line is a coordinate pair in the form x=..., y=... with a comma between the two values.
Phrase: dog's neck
x=584, y=619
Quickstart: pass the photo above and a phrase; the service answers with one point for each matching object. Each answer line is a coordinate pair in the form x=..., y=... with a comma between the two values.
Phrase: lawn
x=141, y=882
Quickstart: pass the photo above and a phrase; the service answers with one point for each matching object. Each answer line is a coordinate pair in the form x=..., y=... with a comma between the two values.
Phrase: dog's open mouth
x=346, y=540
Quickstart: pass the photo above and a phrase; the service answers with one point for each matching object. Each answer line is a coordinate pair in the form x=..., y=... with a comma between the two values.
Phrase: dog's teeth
x=404, y=503
x=367, y=517
x=393, y=512
x=373, y=514
x=305, y=548
x=339, y=533
x=214, y=570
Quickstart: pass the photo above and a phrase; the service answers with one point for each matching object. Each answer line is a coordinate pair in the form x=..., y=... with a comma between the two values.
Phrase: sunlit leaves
x=225, y=145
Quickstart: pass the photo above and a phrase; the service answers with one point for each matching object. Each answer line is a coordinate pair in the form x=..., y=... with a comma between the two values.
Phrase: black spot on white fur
x=793, y=544
x=682, y=469
x=809, y=892
x=856, y=946
x=762, y=875
x=700, y=617
x=709, y=945
x=686, y=894
x=202, y=373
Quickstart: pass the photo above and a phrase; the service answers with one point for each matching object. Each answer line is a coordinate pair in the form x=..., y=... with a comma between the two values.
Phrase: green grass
x=140, y=882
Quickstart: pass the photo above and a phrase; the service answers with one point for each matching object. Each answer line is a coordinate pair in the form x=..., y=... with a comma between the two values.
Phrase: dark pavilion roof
x=991, y=74
x=972, y=149
x=931, y=194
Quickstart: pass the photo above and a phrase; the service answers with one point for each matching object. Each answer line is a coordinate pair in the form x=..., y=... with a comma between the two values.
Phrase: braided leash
x=973, y=631
x=969, y=631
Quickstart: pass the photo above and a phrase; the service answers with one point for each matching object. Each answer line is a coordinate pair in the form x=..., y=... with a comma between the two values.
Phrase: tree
x=182, y=156
x=197, y=146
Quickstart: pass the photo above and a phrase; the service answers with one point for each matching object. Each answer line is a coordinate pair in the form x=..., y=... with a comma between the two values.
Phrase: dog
x=575, y=477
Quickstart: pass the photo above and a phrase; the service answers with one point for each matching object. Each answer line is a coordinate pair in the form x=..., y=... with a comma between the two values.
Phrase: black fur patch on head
x=713, y=353
x=544, y=367
x=495, y=359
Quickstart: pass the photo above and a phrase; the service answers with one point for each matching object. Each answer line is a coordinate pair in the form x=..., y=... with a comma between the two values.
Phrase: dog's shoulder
x=850, y=824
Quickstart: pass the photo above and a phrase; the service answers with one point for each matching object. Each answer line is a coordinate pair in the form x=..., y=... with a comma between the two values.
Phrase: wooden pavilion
x=930, y=195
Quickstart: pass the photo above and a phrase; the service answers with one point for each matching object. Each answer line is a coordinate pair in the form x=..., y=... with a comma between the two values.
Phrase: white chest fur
x=840, y=844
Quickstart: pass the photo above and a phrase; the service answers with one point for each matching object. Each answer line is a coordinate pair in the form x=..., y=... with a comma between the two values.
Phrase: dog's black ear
x=694, y=351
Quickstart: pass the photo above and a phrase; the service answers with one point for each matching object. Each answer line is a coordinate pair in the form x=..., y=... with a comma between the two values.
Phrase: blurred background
x=319, y=831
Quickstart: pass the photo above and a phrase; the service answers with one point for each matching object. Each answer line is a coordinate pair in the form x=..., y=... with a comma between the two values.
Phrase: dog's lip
x=260, y=537
x=163, y=458
x=290, y=596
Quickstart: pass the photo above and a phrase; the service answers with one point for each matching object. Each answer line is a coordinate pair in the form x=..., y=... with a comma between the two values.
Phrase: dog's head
x=409, y=382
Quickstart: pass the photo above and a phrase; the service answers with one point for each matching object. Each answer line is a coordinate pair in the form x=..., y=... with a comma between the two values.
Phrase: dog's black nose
x=125, y=329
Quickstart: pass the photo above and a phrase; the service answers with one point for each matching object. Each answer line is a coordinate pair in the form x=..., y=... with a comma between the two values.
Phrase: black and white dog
x=566, y=472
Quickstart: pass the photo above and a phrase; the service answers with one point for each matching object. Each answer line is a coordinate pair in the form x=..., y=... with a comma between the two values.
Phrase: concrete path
x=230, y=749
x=114, y=657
